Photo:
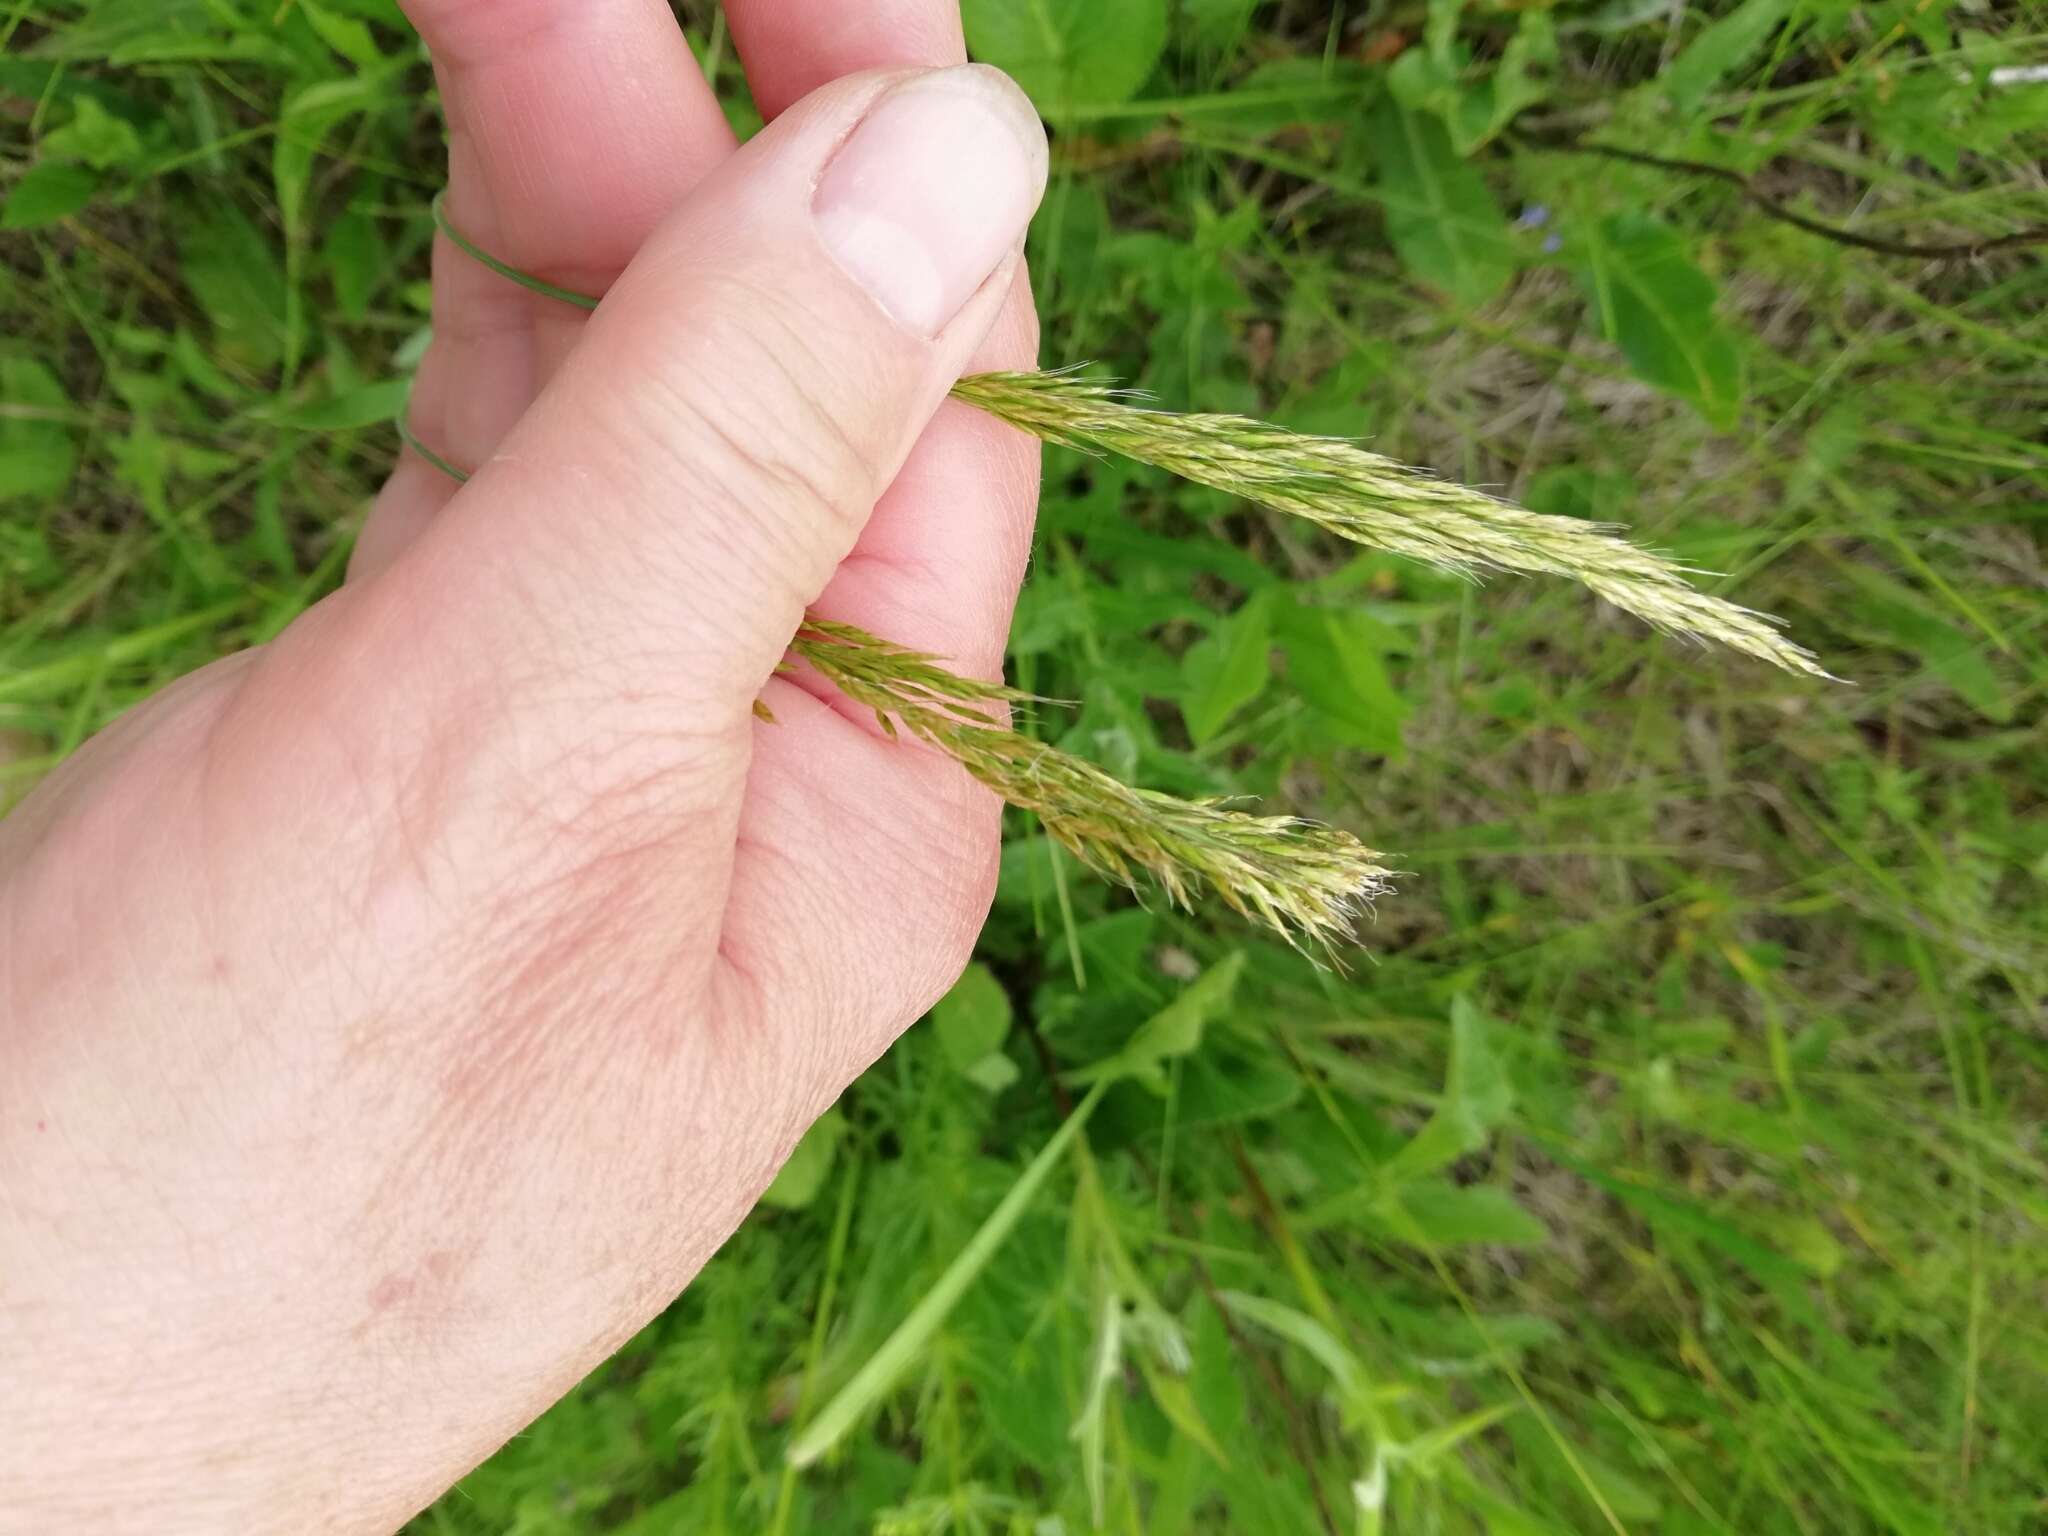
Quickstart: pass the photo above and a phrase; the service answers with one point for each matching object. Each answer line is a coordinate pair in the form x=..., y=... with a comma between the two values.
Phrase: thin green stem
x=510, y=273
x=403, y=424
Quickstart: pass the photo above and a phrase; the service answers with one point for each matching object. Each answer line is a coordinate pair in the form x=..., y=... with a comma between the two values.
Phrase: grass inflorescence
x=1373, y=500
x=1305, y=881
x=1301, y=879
x=1338, y=486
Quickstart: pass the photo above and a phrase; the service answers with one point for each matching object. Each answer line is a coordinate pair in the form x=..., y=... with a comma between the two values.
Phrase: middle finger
x=573, y=126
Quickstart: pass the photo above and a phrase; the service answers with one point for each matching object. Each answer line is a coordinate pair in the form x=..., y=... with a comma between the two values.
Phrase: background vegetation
x=1672, y=1158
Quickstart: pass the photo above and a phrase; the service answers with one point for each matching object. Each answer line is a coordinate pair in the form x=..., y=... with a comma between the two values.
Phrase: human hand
x=399, y=1014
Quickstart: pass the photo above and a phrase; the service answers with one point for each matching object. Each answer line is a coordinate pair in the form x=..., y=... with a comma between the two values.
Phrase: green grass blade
x=875, y=1379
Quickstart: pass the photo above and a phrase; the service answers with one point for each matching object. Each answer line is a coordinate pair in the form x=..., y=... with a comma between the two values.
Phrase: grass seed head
x=1306, y=882
x=1377, y=501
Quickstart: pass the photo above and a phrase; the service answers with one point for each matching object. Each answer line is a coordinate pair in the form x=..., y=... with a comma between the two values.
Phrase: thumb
x=696, y=471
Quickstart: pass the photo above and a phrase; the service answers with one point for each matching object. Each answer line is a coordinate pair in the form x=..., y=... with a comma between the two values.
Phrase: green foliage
x=972, y=1021
x=1226, y=670
x=1669, y=1160
x=804, y=1175
x=1476, y=105
x=1441, y=216
x=1477, y=1096
x=46, y=193
x=37, y=454
x=1069, y=53
x=1657, y=304
x=1719, y=50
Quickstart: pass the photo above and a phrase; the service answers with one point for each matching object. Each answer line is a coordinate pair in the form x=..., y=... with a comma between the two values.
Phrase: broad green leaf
x=1808, y=1242
x=346, y=35
x=1474, y=111
x=1176, y=1030
x=96, y=137
x=1334, y=664
x=1177, y=1401
x=1433, y=1212
x=354, y=256
x=1894, y=614
x=797, y=1185
x=1719, y=51
x=234, y=273
x=1521, y=78
x=1213, y=1088
x=1440, y=28
x=371, y=405
x=1477, y=1097
x=30, y=78
x=993, y=1073
x=37, y=453
x=1932, y=116
x=1227, y=670
x=1069, y=53
x=1299, y=1329
x=201, y=371
x=49, y=191
x=1659, y=308
x=1441, y=216
x=1215, y=1383
x=1627, y=1494
x=1460, y=1343
x=1261, y=1504
x=1424, y=82
x=973, y=1019
x=1216, y=25
x=1230, y=1087
x=1502, y=1518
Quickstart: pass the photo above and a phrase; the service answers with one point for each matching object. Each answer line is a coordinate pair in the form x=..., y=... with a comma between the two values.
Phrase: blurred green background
x=1671, y=1158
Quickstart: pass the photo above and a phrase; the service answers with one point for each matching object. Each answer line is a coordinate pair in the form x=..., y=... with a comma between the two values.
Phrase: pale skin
x=394, y=1018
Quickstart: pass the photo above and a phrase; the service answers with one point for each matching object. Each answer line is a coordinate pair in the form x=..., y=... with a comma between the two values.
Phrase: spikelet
x=1307, y=882
x=1376, y=501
